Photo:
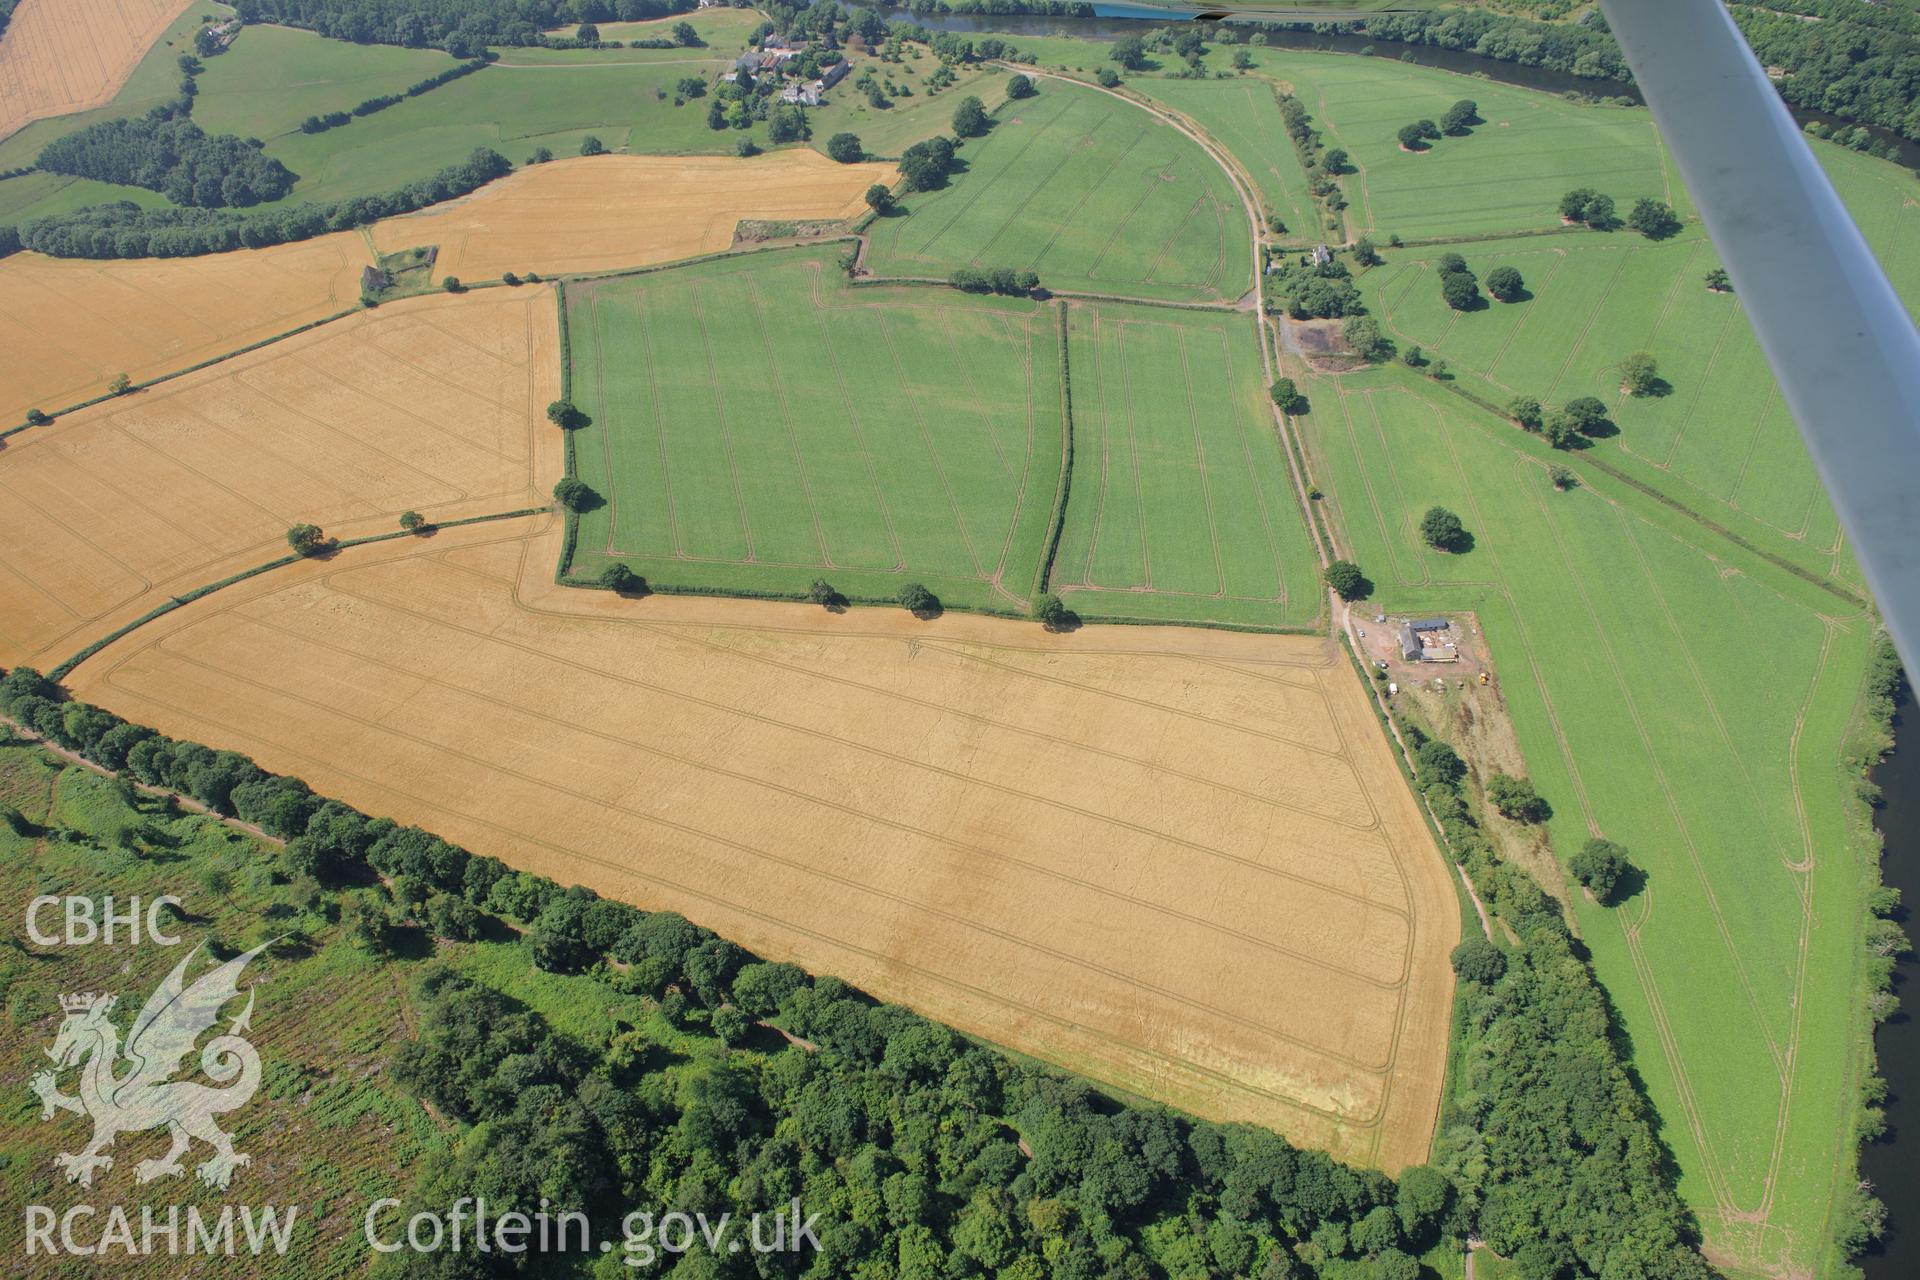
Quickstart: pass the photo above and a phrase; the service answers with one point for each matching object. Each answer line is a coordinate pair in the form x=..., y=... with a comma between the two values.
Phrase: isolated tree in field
x=1525, y=410
x=1560, y=430
x=747, y=148
x=1346, y=579
x=1448, y=263
x=1719, y=281
x=1051, y=612
x=823, y=594
x=685, y=36
x=1363, y=335
x=15, y=821
x=564, y=414
x=588, y=34
x=1477, y=960
x=1573, y=205
x=1414, y=137
x=1242, y=60
x=1600, y=213
x=1441, y=529
x=1019, y=86
x=1640, y=373
x=1654, y=219
x=1460, y=290
x=1505, y=283
x=970, y=118
x=543, y=154
x=119, y=385
x=1516, y=799
x=1599, y=867
x=1287, y=396
x=621, y=580
x=1460, y=117
x=38, y=417
x=879, y=198
x=1107, y=78
x=846, y=148
x=592, y=146
x=1334, y=160
x=1130, y=53
x=452, y=284
x=306, y=539
x=572, y=493
x=1563, y=477
x=1365, y=254
x=1413, y=357
x=917, y=600
x=1588, y=415
x=412, y=521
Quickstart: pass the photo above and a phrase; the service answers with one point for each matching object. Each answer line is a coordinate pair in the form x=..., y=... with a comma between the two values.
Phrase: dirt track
x=601, y=212
x=432, y=404
x=1180, y=861
x=60, y=56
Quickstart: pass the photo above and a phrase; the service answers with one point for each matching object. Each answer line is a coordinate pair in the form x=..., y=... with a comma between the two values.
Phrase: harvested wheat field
x=68, y=325
x=430, y=404
x=72, y=55
x=1179, y=861
x=598, y=213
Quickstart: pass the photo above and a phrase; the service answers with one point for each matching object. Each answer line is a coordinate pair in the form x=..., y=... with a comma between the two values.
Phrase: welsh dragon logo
x=131, y=1089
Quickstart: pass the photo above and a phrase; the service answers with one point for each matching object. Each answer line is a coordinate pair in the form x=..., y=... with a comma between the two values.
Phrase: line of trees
x=124, y=230
x=165, y=151
x=334, y=119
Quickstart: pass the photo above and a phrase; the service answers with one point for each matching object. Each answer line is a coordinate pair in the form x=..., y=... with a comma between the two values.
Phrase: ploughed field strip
x=424, y=405
x=599, y=213
x=68, y=325
x=1181, y=862
x=758, y=423
x=1182, y=508
x=1091, y=192
x=68, y=55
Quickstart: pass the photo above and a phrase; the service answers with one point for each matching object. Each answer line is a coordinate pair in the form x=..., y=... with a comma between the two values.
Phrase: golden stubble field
x=599, y=213
x=435, y=404
x=72, y=55
x=68, y=325
x=1181, y=862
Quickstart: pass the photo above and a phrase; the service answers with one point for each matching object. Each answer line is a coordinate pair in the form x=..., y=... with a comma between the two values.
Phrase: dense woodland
x=169, y=153
x=124, y=230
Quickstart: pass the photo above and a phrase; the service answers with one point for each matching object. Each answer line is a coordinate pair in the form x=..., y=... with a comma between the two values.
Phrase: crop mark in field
x=1200, y=458
x=569, y=725
x=1253, y=478
x=933, y=449
x=716, y=388
x=779, y=389
x=1147, y=190
x=1073, y=214
x=1011, y=164
x=749, y=850
x=1559, y=260
x=1133, y=454
x=867, y=454
x=1593, y=319
x=1045, y=184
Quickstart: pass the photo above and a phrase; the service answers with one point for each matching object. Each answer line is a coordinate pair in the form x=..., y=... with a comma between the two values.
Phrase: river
x=1115, y=23
x=1891, y=1163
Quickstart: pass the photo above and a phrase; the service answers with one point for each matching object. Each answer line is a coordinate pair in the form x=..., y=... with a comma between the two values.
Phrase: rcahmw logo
x=130, y=1089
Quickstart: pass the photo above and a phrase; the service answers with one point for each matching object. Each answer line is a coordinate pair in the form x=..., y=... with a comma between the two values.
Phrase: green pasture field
x=758, y=423
x=275, y=77
x=1181, y=506
x=1507, y=174
x=155, y=80
x=887, y=131
x=1243, y=116
x=1689, y=700
x=1094, y=194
